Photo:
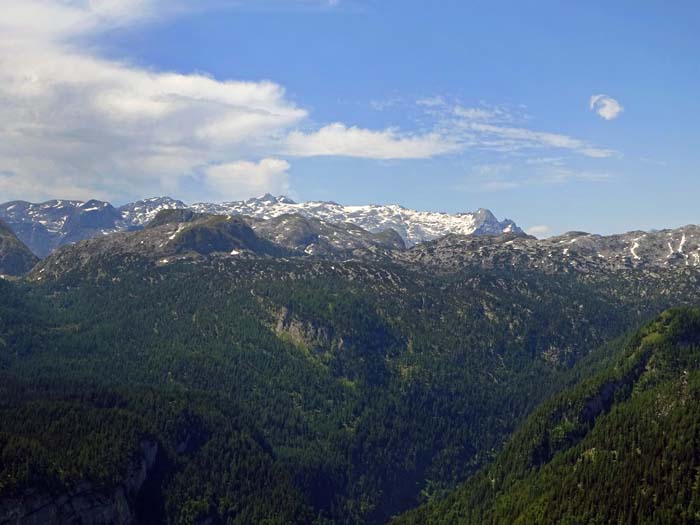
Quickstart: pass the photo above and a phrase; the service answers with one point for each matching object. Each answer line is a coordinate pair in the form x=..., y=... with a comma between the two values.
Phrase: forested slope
x=289, y=390
x=15, y=257
x=621, y=447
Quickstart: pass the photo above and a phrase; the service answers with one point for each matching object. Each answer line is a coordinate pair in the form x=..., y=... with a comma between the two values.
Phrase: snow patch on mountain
x=144, y=211
x=49, y=225
x=413, y=226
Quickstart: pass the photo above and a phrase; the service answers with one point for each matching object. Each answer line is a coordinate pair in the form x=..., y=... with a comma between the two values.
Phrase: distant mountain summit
x=49, y=225
x=46, y=226
x=142, y=212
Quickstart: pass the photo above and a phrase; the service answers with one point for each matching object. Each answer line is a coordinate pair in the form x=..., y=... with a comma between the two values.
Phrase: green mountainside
x=15, y=257
x=196, y=373
x=621, y=447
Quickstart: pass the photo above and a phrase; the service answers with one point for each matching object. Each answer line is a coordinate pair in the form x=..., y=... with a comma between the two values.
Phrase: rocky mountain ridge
x=413, y=226
x=176, y=234
x=49, y=225
x=573, y=251
x=295, y=234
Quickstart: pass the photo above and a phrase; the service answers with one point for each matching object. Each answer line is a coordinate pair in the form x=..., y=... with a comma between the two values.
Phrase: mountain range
x=48, y=225
x=325, y=228
x=194, y=367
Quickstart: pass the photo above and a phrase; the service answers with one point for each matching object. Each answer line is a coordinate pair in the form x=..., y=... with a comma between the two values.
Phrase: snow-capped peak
x=142, y=212
x=51, y=224
x=413, y=226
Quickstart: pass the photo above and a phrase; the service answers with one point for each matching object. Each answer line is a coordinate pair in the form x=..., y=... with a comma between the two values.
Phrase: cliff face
x=84, y=503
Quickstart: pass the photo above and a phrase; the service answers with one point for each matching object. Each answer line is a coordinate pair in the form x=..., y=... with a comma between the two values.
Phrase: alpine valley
x=268, y=362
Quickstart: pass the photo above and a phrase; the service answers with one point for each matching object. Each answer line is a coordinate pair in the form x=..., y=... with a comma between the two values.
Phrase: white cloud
x=607, y=107
x=539, y=230
x=561, y=174
x=474, y=113
x=72, y=121
x=343, y=141
x=492, y=128
x=75, y=125
x=239, y=180
x=54, y=19
x=511, y=139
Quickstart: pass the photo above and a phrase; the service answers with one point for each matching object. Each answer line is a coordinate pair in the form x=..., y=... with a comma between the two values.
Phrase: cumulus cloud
x=73, y=121
x=239, y=180
x=607, y=107
x=340, y=140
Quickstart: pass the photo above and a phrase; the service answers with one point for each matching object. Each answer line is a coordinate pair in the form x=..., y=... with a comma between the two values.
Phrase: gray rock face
x=315, y=337
x=84, y=504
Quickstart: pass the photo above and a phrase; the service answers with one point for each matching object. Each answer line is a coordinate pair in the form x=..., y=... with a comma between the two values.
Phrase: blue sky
x=559, y=115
